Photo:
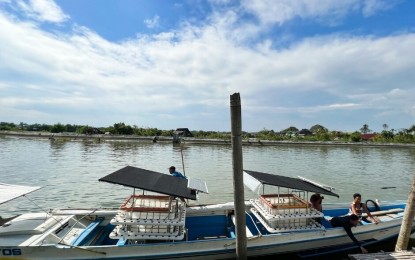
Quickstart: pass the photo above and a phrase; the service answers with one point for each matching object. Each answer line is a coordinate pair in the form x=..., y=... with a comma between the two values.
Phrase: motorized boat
x=155, y=222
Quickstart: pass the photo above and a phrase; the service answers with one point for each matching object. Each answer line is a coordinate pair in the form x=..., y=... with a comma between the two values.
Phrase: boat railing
x=147, y=203
x=153, y=217
x=285, y=212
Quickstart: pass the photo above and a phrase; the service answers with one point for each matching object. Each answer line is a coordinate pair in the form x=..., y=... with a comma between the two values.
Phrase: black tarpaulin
x=288, y=182
x=151, y=181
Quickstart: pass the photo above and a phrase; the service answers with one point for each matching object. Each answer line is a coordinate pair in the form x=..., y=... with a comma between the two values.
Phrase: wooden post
x=181, y=152
x=238, y=183
x=408, y=218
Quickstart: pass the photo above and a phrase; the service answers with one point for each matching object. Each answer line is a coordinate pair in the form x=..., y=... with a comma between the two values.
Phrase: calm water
x=69, y=170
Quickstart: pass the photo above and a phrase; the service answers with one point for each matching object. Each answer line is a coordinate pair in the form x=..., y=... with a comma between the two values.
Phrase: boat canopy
x=254, y=179
x=9, y=191
x=151, y=181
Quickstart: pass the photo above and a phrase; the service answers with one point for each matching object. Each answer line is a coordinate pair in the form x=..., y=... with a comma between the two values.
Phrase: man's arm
x=369, y=215
x=349, y=232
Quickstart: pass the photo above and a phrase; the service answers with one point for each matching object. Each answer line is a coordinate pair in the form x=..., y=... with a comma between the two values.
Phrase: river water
x=69, y=170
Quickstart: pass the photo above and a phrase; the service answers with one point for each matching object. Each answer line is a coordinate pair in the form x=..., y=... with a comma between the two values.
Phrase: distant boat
x=154, y=223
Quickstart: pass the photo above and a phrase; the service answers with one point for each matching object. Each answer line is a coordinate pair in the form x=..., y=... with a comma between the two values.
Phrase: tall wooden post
x=238, y=183
x=408, y=218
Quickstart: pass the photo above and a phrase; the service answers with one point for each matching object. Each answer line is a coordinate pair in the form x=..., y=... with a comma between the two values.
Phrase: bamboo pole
x=238, y=185
x=181, y=152
x=408, y=218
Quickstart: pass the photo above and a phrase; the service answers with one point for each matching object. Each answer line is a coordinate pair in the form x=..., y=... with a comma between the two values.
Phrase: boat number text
x=11, y=251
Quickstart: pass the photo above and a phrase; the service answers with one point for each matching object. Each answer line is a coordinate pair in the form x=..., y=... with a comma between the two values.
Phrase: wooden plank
x=383, y=212
x=403, y=255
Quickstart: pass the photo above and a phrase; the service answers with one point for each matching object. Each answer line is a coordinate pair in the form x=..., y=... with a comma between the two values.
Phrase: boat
x=156, y=222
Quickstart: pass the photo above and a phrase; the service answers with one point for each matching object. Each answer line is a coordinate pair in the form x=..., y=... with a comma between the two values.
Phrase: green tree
x=45, y=127
x=34, y=127
x=71, y=128
x=88, y=130
x=387, y=135
x=123, y=129
x=23, y=126
x=291, y=129
x=266, y=134
x=58, y=128
x=323, y=136
x=7, y=126
x=318, y=129
x=355, y=137
x=365, y=129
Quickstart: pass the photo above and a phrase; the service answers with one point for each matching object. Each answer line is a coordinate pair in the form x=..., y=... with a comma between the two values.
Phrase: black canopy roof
x=151, y=181
x=288, y=182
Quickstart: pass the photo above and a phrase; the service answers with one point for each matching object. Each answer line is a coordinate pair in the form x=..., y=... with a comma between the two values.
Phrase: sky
x=172, y=64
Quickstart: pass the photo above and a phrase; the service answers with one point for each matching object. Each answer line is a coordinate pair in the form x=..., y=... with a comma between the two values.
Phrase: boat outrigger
x=156, y=223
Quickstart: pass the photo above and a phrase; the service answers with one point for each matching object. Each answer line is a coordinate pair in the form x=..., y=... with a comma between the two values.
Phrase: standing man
x=173, y=172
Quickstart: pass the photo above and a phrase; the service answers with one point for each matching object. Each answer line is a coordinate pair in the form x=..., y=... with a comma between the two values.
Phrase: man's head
x=357, y=197
x=354, y=219
x=172, y=169
x=316, y=198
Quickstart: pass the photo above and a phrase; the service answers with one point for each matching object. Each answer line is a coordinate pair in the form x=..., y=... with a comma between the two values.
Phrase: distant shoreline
x=191, y=140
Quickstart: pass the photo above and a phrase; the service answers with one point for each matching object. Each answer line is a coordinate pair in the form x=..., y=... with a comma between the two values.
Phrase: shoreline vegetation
x=316, y=135
x=193, y=140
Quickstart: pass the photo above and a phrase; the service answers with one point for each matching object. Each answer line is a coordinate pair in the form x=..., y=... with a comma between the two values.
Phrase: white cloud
x=195, y=69
x=281, y=11
x=371, y=7
x=43, y=10
x=152, y=23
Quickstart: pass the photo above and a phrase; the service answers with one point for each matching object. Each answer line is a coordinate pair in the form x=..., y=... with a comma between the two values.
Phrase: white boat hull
x=12, y=247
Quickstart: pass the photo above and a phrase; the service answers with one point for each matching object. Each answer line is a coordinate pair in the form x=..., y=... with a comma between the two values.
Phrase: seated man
x=347, y=222
x=316, y=201
x=357, y=208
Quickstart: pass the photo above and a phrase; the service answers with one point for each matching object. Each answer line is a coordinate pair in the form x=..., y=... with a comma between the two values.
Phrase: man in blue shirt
x=173, y=172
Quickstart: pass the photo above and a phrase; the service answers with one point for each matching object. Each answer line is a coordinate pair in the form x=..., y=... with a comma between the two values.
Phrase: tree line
x=315, y=133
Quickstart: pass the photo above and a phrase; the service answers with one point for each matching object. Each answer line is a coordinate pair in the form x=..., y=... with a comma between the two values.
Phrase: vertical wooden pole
x=238, y=183
x=408, y=218
x=181, y=152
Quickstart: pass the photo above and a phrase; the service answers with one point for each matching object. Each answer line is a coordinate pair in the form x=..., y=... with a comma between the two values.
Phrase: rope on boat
x=47, y=213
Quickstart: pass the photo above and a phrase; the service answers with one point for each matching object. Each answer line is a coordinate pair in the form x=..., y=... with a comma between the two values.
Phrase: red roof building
x=367, y=137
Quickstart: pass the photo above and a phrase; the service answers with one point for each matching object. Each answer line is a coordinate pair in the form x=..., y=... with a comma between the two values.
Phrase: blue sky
x=170, y=64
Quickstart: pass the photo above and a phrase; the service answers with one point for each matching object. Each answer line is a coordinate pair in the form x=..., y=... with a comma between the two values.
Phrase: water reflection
x=57, y=145
x=70, y=170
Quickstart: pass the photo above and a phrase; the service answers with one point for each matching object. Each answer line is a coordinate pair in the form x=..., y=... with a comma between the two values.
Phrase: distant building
x=181, y=132
x=305, y=132
x=92, y=131
x=289, y=133
x=367, y=137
